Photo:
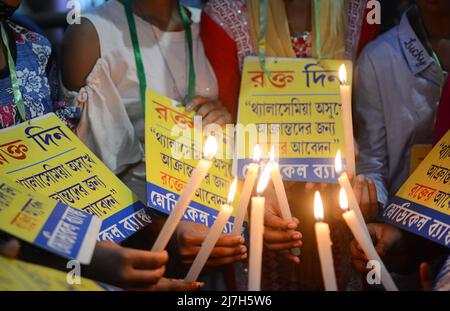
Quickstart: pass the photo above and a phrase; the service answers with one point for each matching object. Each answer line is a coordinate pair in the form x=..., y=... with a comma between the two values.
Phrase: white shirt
x=112, y=123
x=397, y=90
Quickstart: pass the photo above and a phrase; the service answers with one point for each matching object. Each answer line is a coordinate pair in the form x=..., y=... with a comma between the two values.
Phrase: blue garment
x=442, y=282
x=37, y=78
x=397, y=90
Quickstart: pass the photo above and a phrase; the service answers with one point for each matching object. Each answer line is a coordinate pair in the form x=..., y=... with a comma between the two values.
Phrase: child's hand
x=211, y=111
x=227, y=250
x=127, y=268
x=177, y=285
x=279, y=234
x=10, y=248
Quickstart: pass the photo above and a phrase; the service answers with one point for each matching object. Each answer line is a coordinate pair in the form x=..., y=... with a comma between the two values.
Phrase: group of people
x=400, y=83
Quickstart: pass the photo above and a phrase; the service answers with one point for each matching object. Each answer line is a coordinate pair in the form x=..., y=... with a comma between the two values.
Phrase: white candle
x=212, y=237
x=256, y=234
x=346, y=93
x=324, y=246
x=250, y=177
x=198, y=174
x=280, y=192
x=365, y=241
x=344, y=182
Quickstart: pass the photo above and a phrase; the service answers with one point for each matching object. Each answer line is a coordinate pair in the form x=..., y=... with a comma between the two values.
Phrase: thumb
x=10, y=249
x=425, y=276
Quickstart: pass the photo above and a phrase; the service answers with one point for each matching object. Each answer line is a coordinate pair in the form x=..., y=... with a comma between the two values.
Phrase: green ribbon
x=317, y=26
x=138, y=55
x=137, y=52
x=18, y=99
x=192, y=77
x=263, y=15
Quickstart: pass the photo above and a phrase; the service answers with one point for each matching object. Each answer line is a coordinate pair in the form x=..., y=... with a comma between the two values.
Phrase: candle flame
x=343, y=74
x=264, y=179
x=272, y=154
x=318, y=206
x=232, y=191
x=343, y=200
x=338, y=162
x=256, y=153
x=210, y=148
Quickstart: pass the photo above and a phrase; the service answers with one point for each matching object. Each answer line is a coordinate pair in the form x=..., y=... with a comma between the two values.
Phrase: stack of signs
x=44, y=156
x=422, y=205
x=173, y=147
x=51, y=225
x=297, y=108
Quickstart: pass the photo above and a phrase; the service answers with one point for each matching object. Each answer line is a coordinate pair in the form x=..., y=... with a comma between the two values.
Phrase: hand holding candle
x=212, y=237
x=344, y=182
x=180, y=207
x=324, y=245
x=365, y=241
x=277, y=180
x=346, y=93
x=256, y=233
x=252, y=173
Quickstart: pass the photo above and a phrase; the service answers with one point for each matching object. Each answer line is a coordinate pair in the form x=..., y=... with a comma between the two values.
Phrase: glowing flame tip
x=264, y=179
x=343, y=200
x=318, y=206
x=343, y=74
x=211, y=147
x=232, y=191
x=256, y=153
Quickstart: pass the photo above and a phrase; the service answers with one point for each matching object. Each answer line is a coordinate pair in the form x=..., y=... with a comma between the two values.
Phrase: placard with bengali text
x=300, y=104
x=173, y=146
x=48, y=224
x=422, y=205
x=16, y=275
x=44, y=156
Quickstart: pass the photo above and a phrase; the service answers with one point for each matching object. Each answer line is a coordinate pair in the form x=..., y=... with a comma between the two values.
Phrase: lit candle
x=212, y=237
x=344, y=182
x=250, y=177
x=280, y=191
x=198, y=174
x=346, y=93
x=256, y=233
x=365, y=241
x=324, y=245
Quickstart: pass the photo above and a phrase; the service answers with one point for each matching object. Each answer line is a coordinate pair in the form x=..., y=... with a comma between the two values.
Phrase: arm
x=369, y=118
x=77, y=65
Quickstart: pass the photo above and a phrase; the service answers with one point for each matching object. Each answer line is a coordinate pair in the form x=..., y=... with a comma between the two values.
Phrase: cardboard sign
x=422, y=205
x=173, y=146
x=51, y=225
x=44, y=156
x=16, y=275
x=298, y=110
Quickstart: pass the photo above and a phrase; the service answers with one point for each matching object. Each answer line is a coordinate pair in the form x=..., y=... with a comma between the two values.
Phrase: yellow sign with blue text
x=173, y=146
x=44, y=156
x=16, y=275
x=422, y=205
x=298, y=110
x=48, y=224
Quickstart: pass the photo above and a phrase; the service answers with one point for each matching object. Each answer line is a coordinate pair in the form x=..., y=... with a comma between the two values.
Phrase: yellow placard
x=422, y=205
x=48, y=224
x=173, y=146
x=298, y=110
x=418, y=153
x=16, y=275
x=44, y=156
